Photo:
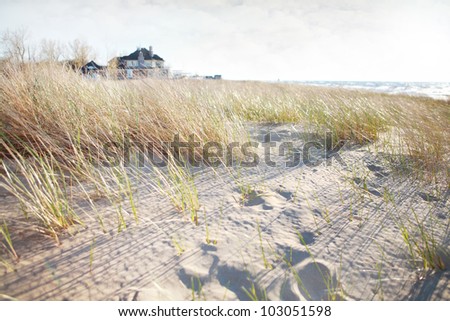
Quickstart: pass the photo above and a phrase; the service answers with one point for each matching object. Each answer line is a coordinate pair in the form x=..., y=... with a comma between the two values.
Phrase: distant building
x=93, y=70
x=140, y=64
x=215, y=77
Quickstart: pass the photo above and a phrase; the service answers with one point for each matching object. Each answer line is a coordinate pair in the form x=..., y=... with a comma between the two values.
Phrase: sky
x=352, y=40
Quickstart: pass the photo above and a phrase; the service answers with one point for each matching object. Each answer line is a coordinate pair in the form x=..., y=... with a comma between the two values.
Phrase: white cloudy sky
x=252, y=39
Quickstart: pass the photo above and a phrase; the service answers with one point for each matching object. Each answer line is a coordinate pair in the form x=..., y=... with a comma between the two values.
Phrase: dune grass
x=58, y=130
x=4, y=232
x=178, y=185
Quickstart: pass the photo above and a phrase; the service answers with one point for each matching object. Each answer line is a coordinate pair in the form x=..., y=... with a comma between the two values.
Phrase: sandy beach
x=309, y=232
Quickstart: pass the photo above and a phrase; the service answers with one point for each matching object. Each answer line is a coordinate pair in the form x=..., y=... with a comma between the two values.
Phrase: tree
x=51, y=50
x=13, y=45
x=80, y=52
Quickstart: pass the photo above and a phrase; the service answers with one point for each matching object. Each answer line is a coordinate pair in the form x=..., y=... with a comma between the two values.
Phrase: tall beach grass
x=55, y=124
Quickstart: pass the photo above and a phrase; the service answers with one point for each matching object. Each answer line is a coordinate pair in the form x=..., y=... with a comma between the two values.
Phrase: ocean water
x=436, y=90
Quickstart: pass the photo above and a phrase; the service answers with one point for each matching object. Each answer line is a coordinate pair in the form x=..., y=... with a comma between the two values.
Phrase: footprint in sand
x=427, y=197
x=286, y=194
x=254, y=198
x=196, y=274
x=377, y=170
x=314, y=282
x=267, y=201
x=291, y=255
x=200, y=271
x=308, y=237
x=369, y=186
x=240, y=282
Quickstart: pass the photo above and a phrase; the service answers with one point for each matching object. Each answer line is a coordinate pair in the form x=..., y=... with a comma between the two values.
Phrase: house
x=215, y=77
x=92, y=69
x=140, y=64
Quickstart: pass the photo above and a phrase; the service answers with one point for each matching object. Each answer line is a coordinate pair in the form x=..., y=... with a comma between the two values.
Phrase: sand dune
x=245, y=246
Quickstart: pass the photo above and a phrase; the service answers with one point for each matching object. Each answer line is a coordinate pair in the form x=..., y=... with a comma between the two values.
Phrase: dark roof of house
x=145, y=52
x=91, y=65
